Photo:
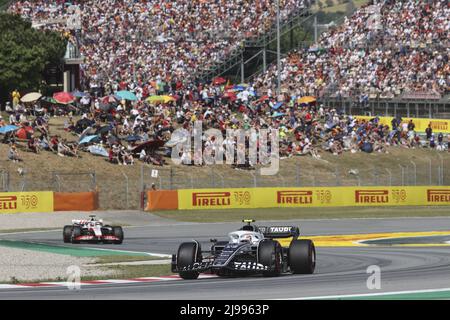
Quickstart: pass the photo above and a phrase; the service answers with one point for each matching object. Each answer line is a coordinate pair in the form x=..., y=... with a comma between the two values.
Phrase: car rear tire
x=67, y=234
x=302, y=257
x=188, y=254
x=118, y=232
x=270, y=254
x=76, y=232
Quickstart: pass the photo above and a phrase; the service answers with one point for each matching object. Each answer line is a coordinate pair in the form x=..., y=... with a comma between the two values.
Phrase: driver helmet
x=246, y=238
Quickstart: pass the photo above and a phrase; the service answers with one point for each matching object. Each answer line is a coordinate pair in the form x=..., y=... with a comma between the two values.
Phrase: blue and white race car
x=250, y=250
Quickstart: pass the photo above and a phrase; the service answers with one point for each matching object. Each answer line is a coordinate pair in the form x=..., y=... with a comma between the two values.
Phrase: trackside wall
x=241, y=198
x=48, y=201
x=438, y=125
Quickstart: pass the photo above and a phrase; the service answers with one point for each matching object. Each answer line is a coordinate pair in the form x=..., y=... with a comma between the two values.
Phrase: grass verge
x=302, y=213
x=27, y=230
x=130, y=272
x=117, y=272
x=124, y=258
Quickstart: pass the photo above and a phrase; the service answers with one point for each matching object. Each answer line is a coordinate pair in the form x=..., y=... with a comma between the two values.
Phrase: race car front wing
x=96, y=238
x=210, y=266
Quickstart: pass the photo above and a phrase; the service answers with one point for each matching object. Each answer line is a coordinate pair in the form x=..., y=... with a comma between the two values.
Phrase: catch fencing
x=429, y=170
x=123, y=187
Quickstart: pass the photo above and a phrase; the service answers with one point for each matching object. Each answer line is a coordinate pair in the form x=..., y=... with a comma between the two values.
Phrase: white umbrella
x=31, y=97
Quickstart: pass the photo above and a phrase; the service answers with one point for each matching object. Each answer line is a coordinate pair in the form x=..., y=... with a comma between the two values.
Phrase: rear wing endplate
x=280, y=232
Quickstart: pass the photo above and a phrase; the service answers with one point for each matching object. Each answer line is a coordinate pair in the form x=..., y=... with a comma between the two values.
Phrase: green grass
x=120, y=272
x=302, y=213
x=130, y=272
x=26, y=230
x=67, y=249
x=124, y=258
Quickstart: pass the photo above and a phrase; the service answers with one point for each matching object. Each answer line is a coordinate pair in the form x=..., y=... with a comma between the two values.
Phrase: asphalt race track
x=339, y=271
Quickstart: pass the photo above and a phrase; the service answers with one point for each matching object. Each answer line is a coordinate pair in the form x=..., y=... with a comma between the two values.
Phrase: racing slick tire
x=302, y=257
x=270, y=254
x=118, y=232
x=76, y=232
x=67, y=234
x=188, y=254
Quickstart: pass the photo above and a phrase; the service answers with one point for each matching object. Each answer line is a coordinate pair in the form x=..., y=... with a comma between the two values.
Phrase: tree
x=25, y=53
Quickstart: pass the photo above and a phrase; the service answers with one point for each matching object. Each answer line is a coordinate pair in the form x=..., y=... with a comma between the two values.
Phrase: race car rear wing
x=280, y=232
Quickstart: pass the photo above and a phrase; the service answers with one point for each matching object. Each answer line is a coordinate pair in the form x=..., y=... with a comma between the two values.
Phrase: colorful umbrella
x=31, y=97
x=277, y=114
x=152, y=144
x=126, y=95
x=218, y=81
x=163, y=99
x=8, y=128
x=168, y=99
x=63, y=97
x=98, y=150
x=24, y=133
x=307, y=99
x=133, y=138
x=239, y=88
x=50, y=100
x=79, y=94
x=108, y=99
x=277, y=106
x=88, y=139
x=230, y=95
x=263, y=98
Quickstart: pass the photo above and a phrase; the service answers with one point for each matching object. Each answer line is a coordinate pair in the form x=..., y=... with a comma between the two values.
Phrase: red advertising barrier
x=75, y=201
x=162, y=200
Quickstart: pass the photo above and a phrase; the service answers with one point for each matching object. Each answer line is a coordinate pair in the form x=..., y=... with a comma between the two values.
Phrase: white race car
x=92, y=230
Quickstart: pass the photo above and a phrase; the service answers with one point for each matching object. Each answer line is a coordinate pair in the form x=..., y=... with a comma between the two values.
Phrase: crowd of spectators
x=384, y=50
x=408, y=53
x=130, y=132
x=141, y=45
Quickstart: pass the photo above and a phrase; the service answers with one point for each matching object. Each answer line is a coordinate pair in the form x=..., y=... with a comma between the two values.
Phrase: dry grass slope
x=111, y=179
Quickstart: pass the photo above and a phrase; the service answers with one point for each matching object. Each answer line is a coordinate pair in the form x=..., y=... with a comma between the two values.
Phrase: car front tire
x=76, y=232
x=67, y=234
x=188, y=254
x=118, y=232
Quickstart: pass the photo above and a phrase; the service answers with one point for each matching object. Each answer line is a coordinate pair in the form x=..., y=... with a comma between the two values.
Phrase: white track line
x=368, y=294
x=100, y=282
x=160, y=255
x=26, y=232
